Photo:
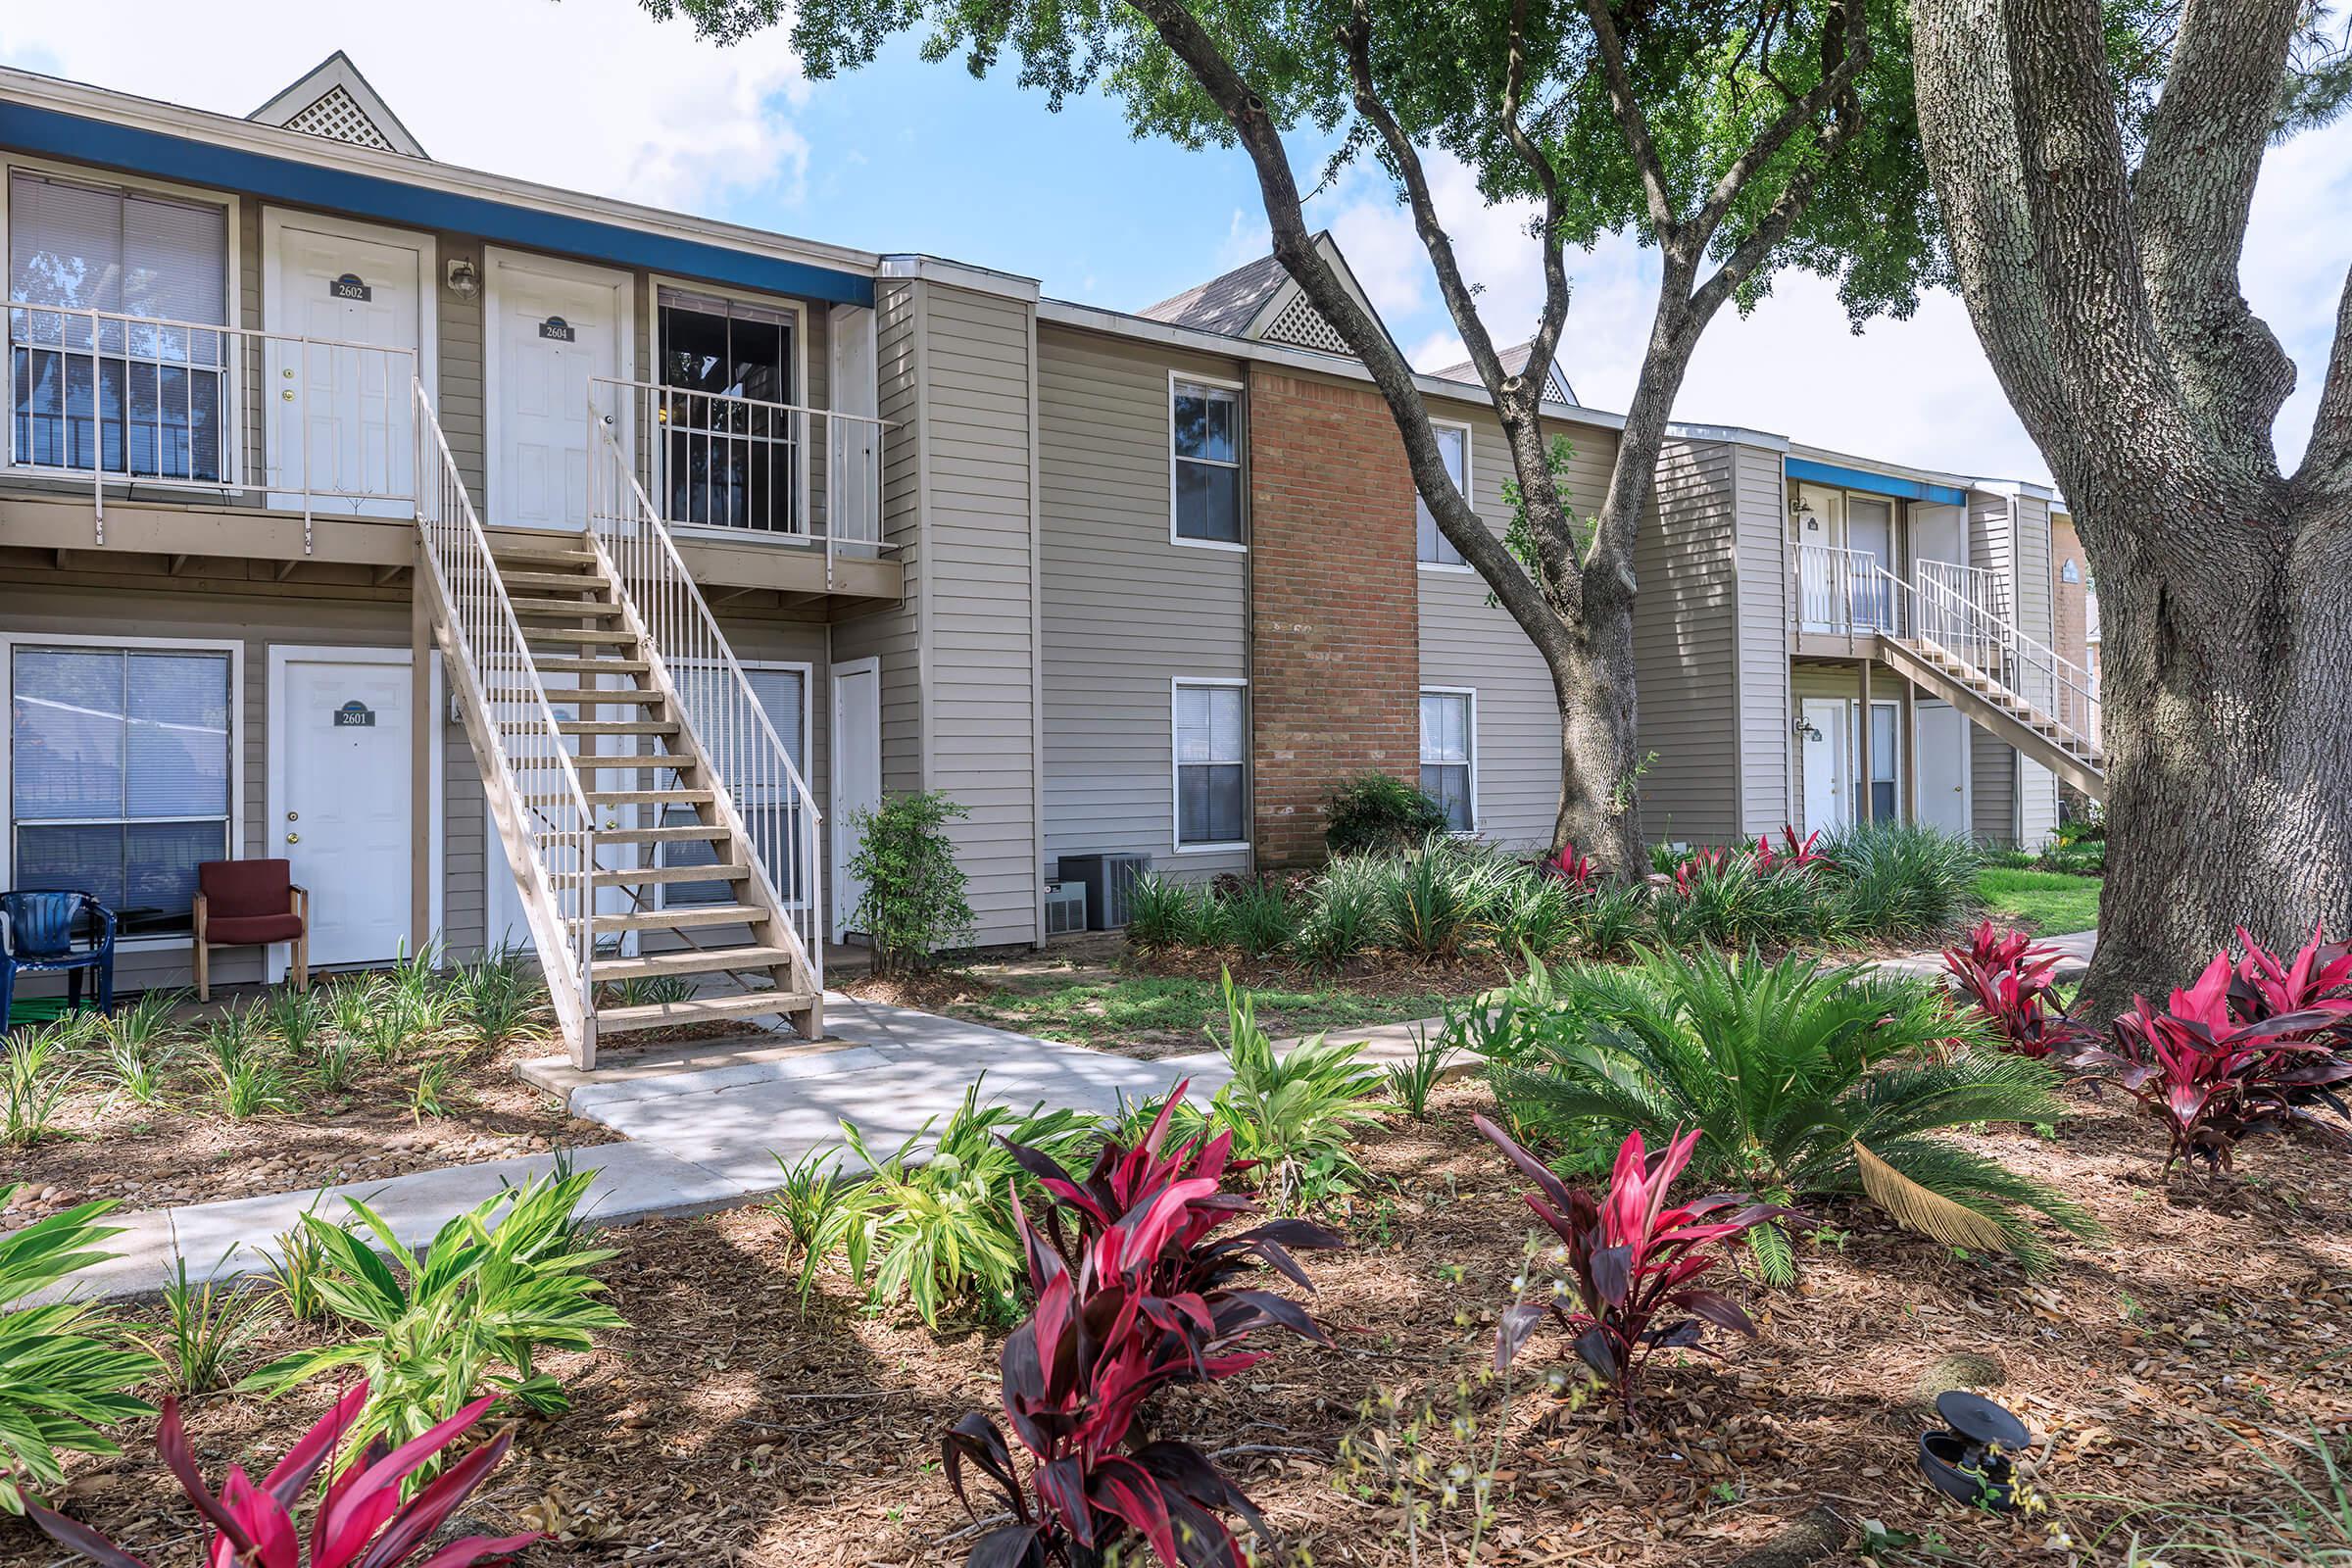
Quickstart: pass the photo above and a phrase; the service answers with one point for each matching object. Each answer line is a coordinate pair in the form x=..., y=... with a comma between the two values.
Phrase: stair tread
x=647, y=875
x=585, y=609
x=694, y=960
x=689, y=915
x=593, y=696
x=566, y=580
x=689, y=833
x=617, y=726
x=619, y=638
x=702, y=1010
x=556, y=665
x=651, y=797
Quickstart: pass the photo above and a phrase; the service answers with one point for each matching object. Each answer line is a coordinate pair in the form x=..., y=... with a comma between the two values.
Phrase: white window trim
x=798, y=309
x=1241, y=466
x=10, y=642
x=1854, y=708
x=1469, y=729
x=232, y=308
x=279, y=955
x=1176, y=844
x=808, y=673
x=1461, y=568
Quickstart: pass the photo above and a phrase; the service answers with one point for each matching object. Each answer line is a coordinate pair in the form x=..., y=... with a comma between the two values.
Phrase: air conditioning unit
x=1065, y=909
x=1107, y=878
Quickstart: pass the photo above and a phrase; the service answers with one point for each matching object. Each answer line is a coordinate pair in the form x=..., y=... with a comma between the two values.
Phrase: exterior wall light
x=465, y=278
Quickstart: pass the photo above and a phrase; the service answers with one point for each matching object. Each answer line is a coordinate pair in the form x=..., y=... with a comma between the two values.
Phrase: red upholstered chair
x=245, y=903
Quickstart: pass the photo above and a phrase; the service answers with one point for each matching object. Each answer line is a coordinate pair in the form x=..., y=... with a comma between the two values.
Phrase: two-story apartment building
x=528, y=565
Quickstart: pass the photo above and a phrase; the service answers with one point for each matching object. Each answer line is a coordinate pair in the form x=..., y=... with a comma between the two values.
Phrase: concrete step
x=702, y=1010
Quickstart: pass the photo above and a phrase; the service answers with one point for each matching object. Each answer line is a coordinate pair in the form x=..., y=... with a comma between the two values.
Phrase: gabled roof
x=1260, y=300
x=334, y=101
x=1514, y=363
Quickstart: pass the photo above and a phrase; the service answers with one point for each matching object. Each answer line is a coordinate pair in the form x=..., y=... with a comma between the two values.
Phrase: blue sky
x=593, y=95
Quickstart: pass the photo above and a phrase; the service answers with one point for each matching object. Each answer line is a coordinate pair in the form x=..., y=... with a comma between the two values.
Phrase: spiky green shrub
x=64, y=1367
x=1438, y=900
x=1342, y=916
x=1296, y=1113
x=498, y=996
x=1260, y=919
x=33, y=1084
x=1895, y=879
x=1809, y=1081
x=1160, y=911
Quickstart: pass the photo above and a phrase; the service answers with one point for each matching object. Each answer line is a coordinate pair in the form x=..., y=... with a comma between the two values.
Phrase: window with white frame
x=731, y=457
x=119, y=775
x=1205, y=434
x=1449, y=755
x=1433, y=548
x=1212, y=763
x=141, y=388
x=766, y=797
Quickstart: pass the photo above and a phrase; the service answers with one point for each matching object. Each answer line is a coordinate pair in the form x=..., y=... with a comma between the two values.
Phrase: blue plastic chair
x=37, y=936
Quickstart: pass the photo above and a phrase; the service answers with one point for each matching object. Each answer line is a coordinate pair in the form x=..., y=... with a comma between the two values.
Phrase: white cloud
x=1916, y=391
x=1247, y=238
x=590, y=94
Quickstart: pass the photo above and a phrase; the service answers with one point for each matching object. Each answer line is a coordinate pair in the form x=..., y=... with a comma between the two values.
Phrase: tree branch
x=1546, y=341
x=1853, y=23
x=2328, y=460
x=1634, y=123
x=2192, y=197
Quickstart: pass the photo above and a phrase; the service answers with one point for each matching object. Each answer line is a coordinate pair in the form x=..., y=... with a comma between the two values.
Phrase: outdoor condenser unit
x=1107, y=878
x=1065, y=907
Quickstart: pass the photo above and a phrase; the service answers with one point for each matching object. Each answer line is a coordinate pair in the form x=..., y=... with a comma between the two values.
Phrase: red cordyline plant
x=1639, y=1265
x=2009, y=980
x=2215, y=1079
x=1794, y=856
x=1568, y=865
x=1698, y=864
x=2317, y=979
x=361, y=1521
x=1133, y=1294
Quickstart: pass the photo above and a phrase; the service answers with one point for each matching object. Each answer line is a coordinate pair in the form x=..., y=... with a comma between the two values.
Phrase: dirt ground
x=180, y=1150
x=726, y=1427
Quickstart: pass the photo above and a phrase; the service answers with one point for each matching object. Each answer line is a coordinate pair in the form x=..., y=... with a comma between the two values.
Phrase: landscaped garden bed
x=366, y=1076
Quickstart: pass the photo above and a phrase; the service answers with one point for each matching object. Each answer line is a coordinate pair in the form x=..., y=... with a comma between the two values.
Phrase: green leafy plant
x=207, y=1328
x=1434, y=901
x=914, y=904
x=139, y=1044
x=497, y=1286
x=1898, y=879
x=353, y=1003
x=246, y=1079
x=64, y=1367
x=497, y=998
x=1376, y=812
x=809, y=1194
x=1412, y=1083
x=32, y=1087
x=299, y=1268
x=431, y=1095
x=420, y=990
x=1290, y=1114
x=1258, y=919
x=1808, y=1081
x=1341, y=918
x=1158, y=913
x=298, y=1018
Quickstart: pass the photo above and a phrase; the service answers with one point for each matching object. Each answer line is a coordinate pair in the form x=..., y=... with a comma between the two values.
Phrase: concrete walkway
x=707, y=1123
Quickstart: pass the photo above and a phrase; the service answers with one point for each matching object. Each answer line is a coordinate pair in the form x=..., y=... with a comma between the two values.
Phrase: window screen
x=1435, y=549
x=1446, y=742
x=1211, y=765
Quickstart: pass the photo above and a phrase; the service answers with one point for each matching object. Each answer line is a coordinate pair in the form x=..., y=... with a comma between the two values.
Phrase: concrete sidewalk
x=708, y=1123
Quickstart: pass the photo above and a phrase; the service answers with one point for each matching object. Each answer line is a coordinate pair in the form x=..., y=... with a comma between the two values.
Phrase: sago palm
x=1806, y=1081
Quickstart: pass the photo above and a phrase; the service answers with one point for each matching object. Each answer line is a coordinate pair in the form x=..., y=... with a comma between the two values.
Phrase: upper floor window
x=731, y=457
x=141, y=388
x=1205, y=433
x=1434, y=548
x=1449, y=755
x=2070, y=572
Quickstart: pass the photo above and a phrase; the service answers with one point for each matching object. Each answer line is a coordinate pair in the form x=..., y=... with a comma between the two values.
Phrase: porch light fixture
x=465, y=278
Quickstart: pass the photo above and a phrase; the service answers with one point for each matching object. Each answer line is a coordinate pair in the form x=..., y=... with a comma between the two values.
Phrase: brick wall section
x=1334, y=638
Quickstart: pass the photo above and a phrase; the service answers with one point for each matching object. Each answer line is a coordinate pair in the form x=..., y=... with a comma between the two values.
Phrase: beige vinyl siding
x=1766, y=612
x=1126, y=611
x=235, y=602
x=979, y=576
x=1992, y=764
x=2037, y=613
x=1686, y=646
x=894, y=636
x=458, y=350
x=1467, y=643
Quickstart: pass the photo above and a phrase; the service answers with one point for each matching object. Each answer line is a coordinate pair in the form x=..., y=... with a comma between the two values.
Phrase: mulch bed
x=180, y=1149
x=726, y=1427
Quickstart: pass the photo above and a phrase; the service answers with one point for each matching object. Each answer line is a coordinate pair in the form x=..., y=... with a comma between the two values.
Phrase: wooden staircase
x=2077, y=759
x=649, y=784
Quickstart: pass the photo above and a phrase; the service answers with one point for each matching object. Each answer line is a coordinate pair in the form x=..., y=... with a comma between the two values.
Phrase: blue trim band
x=232, y=169
x=1877, y=484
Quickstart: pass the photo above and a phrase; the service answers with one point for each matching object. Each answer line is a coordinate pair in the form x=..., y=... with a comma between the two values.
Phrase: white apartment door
x=1826, y=735
x=350, y=310
x=856, y=776
x=1870, y=535
x=1940, y=748
x=340, y=805
x=553, y=328
x=853, y=445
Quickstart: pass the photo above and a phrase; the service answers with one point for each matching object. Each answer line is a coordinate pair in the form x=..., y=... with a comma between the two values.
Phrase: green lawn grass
x=2050, y=902
x=1171, y=1013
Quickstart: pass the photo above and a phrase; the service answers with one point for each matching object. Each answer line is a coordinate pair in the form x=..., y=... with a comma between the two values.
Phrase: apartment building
x=526, y=565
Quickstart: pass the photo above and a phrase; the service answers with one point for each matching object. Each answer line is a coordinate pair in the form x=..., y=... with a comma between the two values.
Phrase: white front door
x=340, y=805
x=857, y=775
x=553, y=328
x=1825, y=736
x=1941, y=750
x=341, y=426
x=853, y=449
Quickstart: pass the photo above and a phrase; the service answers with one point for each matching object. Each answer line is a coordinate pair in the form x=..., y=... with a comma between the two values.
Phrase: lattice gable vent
x=1301, y=325
x=338, y=116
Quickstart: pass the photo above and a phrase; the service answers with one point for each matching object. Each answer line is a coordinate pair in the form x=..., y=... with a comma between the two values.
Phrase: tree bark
x=2108, y=302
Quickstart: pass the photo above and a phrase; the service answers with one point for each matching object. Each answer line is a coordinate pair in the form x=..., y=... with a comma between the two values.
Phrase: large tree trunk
x=2106, y=296
x=1600, y=754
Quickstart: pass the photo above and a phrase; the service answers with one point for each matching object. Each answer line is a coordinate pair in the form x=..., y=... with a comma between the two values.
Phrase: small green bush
x=69, y=1367
x=1342, y=916
x=1258, y=919
x=1158, y=913
x=1381, y=815
x=914, y=907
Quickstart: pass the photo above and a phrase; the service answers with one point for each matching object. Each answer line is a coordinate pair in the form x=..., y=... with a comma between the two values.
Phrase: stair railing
x=534, y=784
x=1947, y=610
x=755, y=775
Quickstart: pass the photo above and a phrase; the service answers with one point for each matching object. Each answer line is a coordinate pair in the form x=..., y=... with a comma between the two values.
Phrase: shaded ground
x=724, y=1427
x=2052, y=902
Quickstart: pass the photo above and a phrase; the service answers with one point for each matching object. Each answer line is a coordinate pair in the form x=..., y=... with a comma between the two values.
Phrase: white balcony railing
x=291, y=422
x=1839, y=592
